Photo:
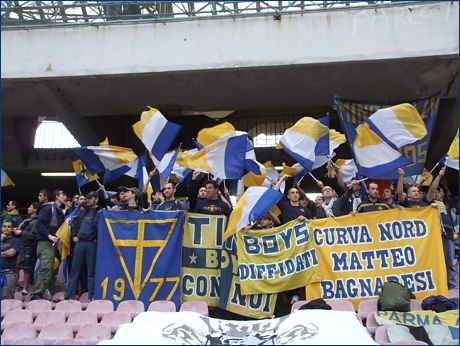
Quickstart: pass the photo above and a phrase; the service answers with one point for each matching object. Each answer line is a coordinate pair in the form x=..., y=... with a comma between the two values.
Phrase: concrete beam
x=50, y=92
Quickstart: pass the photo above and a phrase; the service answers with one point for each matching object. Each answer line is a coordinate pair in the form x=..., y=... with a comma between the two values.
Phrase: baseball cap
x=92, y=194
x=267, y=216
x=122, y=188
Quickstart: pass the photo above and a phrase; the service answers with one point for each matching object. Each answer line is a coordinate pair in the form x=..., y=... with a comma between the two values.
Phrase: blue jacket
x=43, y=224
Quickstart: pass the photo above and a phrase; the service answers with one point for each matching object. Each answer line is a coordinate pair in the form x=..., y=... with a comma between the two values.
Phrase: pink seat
x=79, y=318
x=371, y=323
x=18, y=330
x=298, y=304
x=196, y=306
x=26, y=300
x=93, y=333
x=100, y=307
x=367, y=306
x=409, y=342
x=68, y=306
x=27, y=341
x=56, y=299
x=18, y=296
x=69, y=342
x=16, y=316
x=381, y=335
x=162, y=305
x=415, y=305
x=84, y=300
x=55, y=331
x=47, y=317
x=37, y=306
x=341, y=305
x=10, y=305
x=116, y=318
x=134, y=307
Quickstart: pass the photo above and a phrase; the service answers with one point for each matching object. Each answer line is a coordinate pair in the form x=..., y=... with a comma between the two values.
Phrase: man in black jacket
x=85, y=235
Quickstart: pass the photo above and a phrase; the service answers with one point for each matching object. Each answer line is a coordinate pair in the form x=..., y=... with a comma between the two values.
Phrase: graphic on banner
x=136, y=256
x=358, y=254
x=201, y=257
x=277, y=259
x=352, y=113
x=231, y=298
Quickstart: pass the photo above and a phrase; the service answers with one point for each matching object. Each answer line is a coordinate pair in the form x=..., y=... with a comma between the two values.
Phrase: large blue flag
x=137, y=256
x=354, y=113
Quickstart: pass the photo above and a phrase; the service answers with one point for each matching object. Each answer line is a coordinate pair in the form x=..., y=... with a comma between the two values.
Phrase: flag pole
x=360, y=180
x=436, y=165
x=311, y=175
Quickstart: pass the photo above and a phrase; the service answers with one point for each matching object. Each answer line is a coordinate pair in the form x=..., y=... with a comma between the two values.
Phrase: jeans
x=448, y=246
x=84, y=250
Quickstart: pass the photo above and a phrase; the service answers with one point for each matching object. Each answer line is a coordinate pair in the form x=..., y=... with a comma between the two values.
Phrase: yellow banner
x=277, y=259
x=418, y=318
x=201, y=257
x=357, y=254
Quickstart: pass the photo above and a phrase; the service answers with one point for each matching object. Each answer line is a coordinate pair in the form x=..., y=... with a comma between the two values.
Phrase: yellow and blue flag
x=348, y=169
x=166, y=164
x=335, y=140
x=209, y=135
x=300, y=140
x=254, y=203
x=451, y=158
x=374, y=155
x=112, y=160
x=353, y=113
x=156, y=132
x=82, y=174
x=224, y=158
x=6, y=181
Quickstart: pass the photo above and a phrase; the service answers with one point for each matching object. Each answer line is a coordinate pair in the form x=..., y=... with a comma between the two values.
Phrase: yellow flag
x=63, y=233
x=453, y=150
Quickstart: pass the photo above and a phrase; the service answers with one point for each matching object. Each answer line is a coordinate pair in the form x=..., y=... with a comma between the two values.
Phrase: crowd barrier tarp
x=137, y=256
x=442, y=328
x=358, y=254
x=277, y=259
x=231, y=298
x=306, y=327
x=201, y=257
x=352, y=113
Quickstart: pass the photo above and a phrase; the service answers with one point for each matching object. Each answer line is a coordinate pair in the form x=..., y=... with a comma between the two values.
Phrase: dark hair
x=15, y=204
x=75, y=194
x=55, y=194
x=36, y=206
x=371, y=182
x=393, y=192
x=213, y=182
x=45, y=192
x=8, y=220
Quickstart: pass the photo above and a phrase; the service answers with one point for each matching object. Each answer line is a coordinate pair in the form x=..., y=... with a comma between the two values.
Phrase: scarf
x=328, y=207
x=13, y=212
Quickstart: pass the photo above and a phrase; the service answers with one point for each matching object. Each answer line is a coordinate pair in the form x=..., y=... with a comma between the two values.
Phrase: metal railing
x=27, y=14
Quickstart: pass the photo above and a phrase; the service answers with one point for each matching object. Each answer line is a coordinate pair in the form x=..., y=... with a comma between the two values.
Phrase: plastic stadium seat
x=37, y=306
x=18, y=296
x=162, y=305
x=134, y=307
x=47, y=317
x=15, y=316
x=56, y=296
x=367, y=306
x=197, y=306
x=84, y=300
x=409, y=342
x=415, y=305
x=26, y=300
x=69, y=342
x=16, y=330
x=68, y=306
x=100, y=307
x=116, y=318
x=381, y=335
x=297, y=305
x=371, y=323
x=341, y=305
x=93, y=333
x=55, y=331
x=27, y=341
x=10, y=305
x=79, y=318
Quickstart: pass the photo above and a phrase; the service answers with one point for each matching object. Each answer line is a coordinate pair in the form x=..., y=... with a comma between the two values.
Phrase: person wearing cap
x=84, y=234
x=268, y=220
x=171, y=203
x=130, y=199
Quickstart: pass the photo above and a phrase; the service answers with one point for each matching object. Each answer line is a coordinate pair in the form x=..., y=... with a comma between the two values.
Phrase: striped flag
x=348, y=169
x=254, y=203
x=82, y=174
x=451, y=158
x=6, y=181
x=166, y=164
x=156, y=132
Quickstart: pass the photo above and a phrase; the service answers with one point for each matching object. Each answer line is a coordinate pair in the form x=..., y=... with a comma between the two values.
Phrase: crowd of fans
x=32, y=245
